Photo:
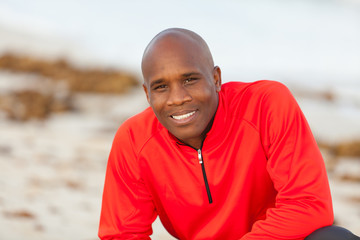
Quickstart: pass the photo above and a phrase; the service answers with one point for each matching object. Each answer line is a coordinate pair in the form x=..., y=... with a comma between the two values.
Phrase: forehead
x=173, y=55
x=171, y=47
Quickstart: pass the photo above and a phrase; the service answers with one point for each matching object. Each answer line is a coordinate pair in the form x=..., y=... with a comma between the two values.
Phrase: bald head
x=181, y=84
x=176, y=41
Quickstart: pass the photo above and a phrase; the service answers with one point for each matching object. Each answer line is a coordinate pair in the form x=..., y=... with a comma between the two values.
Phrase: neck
x=197, y=142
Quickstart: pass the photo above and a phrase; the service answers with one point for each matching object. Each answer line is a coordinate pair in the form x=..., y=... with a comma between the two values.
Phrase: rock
x=349, y=148
x=79, y=80
x=24, y=105
x=54, y=85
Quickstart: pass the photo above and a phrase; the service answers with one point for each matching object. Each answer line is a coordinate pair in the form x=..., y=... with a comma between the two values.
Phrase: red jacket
x=266, y=177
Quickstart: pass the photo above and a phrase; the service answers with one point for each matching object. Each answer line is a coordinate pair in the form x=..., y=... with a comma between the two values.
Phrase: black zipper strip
x=201, y=161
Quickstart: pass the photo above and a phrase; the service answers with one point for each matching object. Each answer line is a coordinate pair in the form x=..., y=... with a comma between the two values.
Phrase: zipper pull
x=199, y=156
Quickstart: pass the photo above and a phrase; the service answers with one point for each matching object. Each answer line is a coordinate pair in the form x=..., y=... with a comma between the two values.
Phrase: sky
x=308, y=41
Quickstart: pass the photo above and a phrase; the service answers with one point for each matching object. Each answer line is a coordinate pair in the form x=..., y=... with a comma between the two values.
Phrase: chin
x=184, y=136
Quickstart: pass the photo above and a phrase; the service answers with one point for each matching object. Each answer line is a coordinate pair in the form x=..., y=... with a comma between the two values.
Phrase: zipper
x=201, y=162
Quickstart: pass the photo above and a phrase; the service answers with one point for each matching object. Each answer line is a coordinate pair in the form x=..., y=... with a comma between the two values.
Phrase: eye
x=159, y=87
x=189, y=80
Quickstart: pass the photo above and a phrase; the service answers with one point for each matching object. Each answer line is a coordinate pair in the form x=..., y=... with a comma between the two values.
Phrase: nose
x=178, y=95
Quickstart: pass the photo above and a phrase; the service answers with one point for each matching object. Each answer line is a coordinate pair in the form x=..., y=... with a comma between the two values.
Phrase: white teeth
x=183, y=116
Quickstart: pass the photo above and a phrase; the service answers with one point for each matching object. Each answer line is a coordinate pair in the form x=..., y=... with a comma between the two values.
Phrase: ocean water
x=307, y=42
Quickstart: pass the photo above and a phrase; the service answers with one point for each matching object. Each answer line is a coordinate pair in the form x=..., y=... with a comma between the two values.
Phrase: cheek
x=207, y=96
x=157, y=103
x=209, y=99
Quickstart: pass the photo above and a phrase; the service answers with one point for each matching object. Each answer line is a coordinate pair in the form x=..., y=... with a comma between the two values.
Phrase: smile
x=184, y=116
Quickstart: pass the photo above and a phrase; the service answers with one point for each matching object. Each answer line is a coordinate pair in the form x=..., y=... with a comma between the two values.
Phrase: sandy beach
x=56, y=133
x=53, y=171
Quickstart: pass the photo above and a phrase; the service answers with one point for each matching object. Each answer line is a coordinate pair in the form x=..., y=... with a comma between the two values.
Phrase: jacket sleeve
x=295, y=165
x=127, y=208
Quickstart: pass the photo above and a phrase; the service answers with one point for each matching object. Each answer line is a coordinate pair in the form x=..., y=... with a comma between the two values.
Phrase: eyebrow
x=190, y=74
x=156, y=82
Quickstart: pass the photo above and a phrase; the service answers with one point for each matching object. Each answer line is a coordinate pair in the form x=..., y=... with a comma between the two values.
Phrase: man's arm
x=127, y=208
x=295, y=164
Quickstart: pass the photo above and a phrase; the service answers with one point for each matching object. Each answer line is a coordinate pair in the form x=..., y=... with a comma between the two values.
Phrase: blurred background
x=70, y=74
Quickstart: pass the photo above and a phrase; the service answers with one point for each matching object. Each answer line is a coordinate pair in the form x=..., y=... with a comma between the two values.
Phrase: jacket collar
x=218, y=130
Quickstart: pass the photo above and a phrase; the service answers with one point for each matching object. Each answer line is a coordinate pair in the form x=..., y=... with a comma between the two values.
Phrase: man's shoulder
x=260, y=86
x=247, y=98
x=255, y=91
x=141, y=121
x=139, y=127
x=140, y=117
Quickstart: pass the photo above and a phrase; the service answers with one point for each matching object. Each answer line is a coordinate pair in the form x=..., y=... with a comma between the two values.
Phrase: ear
x=146, y=92
x=217, y=78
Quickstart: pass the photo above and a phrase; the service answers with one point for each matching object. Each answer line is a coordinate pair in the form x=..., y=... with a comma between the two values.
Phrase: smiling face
x=181, y=84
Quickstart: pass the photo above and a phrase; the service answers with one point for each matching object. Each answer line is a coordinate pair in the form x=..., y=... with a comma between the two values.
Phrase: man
x=213, y=161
